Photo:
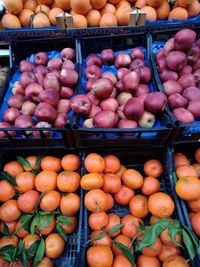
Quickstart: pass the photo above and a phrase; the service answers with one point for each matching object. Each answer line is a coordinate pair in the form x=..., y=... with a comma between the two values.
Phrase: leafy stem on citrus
x=127, y=252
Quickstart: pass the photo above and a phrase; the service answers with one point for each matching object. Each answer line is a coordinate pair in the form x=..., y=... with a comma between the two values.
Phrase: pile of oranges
x=93, y=13
x=39, y=203
x=188, y=185
x=109, y=184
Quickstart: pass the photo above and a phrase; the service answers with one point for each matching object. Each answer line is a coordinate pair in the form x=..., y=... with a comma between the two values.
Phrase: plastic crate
x=157, y=135
x=133, y=159
x=182, y=132
x=73, y=246
x=19, y=51
x=188, y=150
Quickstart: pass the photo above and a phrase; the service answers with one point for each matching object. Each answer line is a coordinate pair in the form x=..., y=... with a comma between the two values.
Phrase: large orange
x=197, y=155
x=124, y=195
x=160, y=204
x=130, y=225
x=10, y=21
x=54, y=12
x=29, y=240
x=45, y=262
x=70, y=228
x=46, y=181
x=167, y=239
x=96, y=200
x=71, y=162
x=28, y=201
x=139, y=206
x=54, y=246
x=98, y=220
x=179, y=13
x=70, y=204
x=94, y=163
x=124, y=240
x=9, y=211
x=80, y=7
x=13, y=7
x=25, y=181
x=121, y=261
x=163, y=10
x=145, y=261
x=184, y=171
x=11, y=227
x=108, y=20
x=8, y=240
x=30, y=4
x=195, y=221
x=51, y=163
x=98, y=4
x=112, y=164
x=111, y=183
x=168, y=251
x=79, y=20
x=7, y=191
x=175, y=261
x=50, y=201
x=108, y=8
x=49, y=229
x=43, y=8
x=13, y=168
x=21, y=233
x=132, y=179
x=194, y=205
x=153, y=167
x=150, y=186
x=93, y=18
x=63, y=4
x=188, y=188
x=99, y=256
x=25, y=17
x=153, y=250
x=180, y=160
x=123, y=14
x=193, y=9
x=104, y=241
x=91, y=181
x=68, y=181
x=113, y=220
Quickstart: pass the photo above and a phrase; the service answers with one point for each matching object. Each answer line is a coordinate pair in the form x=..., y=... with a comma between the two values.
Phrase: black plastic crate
x=136, y=160
x=73, y=246
x=182, y=132
x=22, y=50
x=87, y=137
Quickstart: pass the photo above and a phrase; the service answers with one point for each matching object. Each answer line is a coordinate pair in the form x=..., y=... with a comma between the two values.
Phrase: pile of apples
x=40, y=98
x=123, y=100
x=179, y=66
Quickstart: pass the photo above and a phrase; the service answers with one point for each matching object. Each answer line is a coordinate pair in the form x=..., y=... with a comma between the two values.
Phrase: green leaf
x=23, y=256
x=36, y=172
x=127, y=252
x=44, y=212
x=38, y=161
x=33, y=248
x=141, y=227
x=6, y=229
x=23, y=161
x=64, y=220
x=33, y=225
x=98, y=237
x=61, y=231
x=8, y=252
x=19, y=247
x=174, y=228
x=116, y=228
x=39, y=253
x=6, y=176
x=43, y=221
x=24, y=222
x=192, y=251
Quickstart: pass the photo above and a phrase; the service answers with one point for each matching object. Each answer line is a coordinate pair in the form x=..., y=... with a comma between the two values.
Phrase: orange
x=7, y=191
x=96, y=200
x=68, y=181
x=104, y=241
x=151, y=16
x=188, y=188
x=122, y=3
x=70, y=204
x=130, y=228
x=99, y=256
x=46, y=181
x=179, y=13
x=48, y=230
x=25, y=17
x=197, y=168
x=93, y=18
x=28, y=201
x=10, y=21
x=110, y=201
x=32, y=161
x=113, y=219
x=40, y=20
x=71, y=162
x=54, y=246
x=194, y=205
x=98, y=4
x=13, y=167
x=25, y=181
x=70, y=228
x=195, y=221
x=184, y=3
x=112, y=164
x=197, y=155
x=30, y=4
x=114, y=2
x=94, y=163
x=9, y=211
x=7, y=240
x=80, y=7
x=184, y=171
x=51, y=163
x=163, y=10
x=167, y=239
x=132, y=179
x=154, y=3
x=153, y=167
x=121, y=171
x=46, y=262
x=21, y=233
x=144, y=261
x=150, y=185
x=50, y=201
x=79, y=21
x=45, y=9
x=111, y=183
x=168, y=251
x=91, y=181
x=124, y=240
x=108, y=20
x=98, y=220
x=54, y=12
x=139, y=206
x=4, y=263
x=29, y=240
x=160, y=204
x=11, y=227
x=124, y=195
x=108, y=8
x=154, y=219
x=123, y=14
x=63, y=4
x=180, y=160
x=153, y=250
x=175, y=261
x=140, y=3
x=121, y=261
x=13, y=7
